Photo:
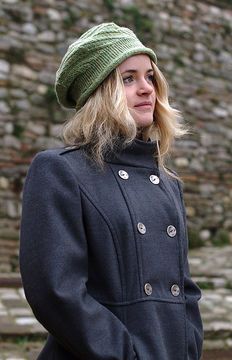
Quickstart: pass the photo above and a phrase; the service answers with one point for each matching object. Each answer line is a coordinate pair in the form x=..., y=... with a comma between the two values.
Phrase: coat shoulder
x=54, y=161
x=54, y=153
x=69, y=159
x=57, y=151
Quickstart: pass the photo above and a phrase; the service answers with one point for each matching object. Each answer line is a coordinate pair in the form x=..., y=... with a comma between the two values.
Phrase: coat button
x=171, y=230
x=141, y=228
x=123, y=174
x=175, y=290
x=154, y=179
x=148, y=289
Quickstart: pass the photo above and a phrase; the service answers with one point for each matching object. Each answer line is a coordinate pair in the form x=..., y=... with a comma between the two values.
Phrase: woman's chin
x=143, y=122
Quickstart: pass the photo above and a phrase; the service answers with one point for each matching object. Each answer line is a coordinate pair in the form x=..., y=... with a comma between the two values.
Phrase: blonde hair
x=105, y=117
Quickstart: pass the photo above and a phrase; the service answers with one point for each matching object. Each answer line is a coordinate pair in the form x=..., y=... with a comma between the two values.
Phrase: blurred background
x=193, y=43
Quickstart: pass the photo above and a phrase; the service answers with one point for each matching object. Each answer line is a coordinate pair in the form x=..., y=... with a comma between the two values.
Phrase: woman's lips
x=144, y=105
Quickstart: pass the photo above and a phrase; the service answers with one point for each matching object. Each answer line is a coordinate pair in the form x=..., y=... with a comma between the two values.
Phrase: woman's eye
x=128, y=79
x=151, y=78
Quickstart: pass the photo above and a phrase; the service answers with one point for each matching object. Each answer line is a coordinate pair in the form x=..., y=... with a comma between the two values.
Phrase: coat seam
x=168, y=186
x=112, y=231
x=184, y=215
x=181, y=264
x=185, y=254
x=131, y=213
x=108, y=223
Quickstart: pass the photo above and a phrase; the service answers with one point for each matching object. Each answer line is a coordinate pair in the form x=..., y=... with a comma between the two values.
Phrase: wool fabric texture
x=91, y=58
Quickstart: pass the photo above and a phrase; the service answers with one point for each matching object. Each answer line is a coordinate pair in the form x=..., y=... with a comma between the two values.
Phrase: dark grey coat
x=104, y=258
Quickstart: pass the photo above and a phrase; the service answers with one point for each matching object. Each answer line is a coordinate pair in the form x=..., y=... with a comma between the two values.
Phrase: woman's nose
x=145, y=87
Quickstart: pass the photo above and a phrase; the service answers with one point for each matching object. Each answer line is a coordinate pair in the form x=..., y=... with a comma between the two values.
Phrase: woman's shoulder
x=54, y=154
x=54, y=159
x=50, y=166
x=63, y=160
x=62, y=164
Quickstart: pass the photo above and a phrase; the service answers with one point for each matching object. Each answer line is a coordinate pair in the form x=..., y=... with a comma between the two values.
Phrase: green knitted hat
x=91, y=58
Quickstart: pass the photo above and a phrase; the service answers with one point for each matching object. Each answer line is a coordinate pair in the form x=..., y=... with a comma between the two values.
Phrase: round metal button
x=175, y=290
x=141, y=228
x=123, y=174
x=154, y=179
x=171, y=230
x=148, y=289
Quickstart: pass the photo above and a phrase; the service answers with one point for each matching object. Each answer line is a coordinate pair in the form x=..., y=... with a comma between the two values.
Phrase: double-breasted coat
x=103, y=256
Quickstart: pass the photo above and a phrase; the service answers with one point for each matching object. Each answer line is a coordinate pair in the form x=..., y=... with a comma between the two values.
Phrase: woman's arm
x=54, y=265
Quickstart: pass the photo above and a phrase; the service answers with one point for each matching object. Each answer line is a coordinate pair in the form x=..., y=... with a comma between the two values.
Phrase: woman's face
x=138, y=79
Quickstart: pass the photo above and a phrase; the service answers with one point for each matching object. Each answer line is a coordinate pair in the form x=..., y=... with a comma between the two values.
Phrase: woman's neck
x=141, y=135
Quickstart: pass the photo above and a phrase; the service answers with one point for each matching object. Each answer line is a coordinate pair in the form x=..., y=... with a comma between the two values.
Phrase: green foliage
x=141, y=22
x=18, y=131
x=227, y=28
x=178, y=59
x=50, y=95
x=221, y=238
x=22, y=340
x=14, y=110
x=16, y=55
x=109, y=4
x=227, y=2
x=201, y=90
x=215, y=101
x=69, y=21
x=131, y=15
x=14, y=263
x=228, y=285
x=51, y=104
x=205, y=285
x=194, y=239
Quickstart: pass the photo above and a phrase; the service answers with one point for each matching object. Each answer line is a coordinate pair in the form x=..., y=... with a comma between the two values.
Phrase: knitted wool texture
x=91, y=58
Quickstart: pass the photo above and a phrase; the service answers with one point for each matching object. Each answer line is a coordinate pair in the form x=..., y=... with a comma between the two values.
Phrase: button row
x=125, y=176
x=171, y=230
x=175, y=290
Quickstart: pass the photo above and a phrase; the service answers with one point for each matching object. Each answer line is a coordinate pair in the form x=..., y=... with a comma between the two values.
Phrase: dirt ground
x=217, y=355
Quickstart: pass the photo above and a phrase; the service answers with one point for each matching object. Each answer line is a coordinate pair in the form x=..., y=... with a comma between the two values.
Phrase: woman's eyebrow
x=134, y=71
x=129, y=70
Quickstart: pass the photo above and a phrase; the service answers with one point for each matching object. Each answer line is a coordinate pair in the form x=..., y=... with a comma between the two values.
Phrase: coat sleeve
x=192, y=296
x=54, y=265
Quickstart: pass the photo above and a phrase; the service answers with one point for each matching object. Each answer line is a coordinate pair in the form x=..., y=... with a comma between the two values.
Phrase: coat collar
x=139, y=153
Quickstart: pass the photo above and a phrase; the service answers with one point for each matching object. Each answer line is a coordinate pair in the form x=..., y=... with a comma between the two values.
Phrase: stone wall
x=192, y=40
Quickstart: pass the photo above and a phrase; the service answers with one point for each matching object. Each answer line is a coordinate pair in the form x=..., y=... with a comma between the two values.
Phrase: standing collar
x=138, y=153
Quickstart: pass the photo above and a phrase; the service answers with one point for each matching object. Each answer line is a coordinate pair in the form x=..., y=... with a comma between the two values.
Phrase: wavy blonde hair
x=105, y=117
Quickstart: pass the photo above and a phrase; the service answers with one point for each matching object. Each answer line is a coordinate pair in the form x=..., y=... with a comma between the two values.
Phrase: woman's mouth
x=144, y=105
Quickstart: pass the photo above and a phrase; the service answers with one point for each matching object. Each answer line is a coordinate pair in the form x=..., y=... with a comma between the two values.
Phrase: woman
x=103, y=234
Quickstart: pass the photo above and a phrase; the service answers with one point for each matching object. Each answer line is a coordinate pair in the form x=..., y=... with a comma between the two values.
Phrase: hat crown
x=106, y=28
x=101, y=32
